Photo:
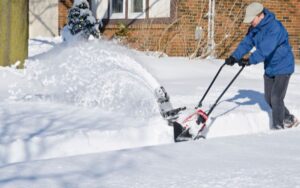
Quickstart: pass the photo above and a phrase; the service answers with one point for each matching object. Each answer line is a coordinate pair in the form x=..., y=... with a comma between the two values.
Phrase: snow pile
x=94, y=74
x=40, y=45
x=77, y=98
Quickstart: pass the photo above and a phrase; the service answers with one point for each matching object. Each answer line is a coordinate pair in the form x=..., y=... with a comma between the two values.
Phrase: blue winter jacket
x=270, y=39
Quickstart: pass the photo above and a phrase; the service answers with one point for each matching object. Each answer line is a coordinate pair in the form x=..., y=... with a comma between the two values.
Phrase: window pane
x=137, y=5
x=117, y=6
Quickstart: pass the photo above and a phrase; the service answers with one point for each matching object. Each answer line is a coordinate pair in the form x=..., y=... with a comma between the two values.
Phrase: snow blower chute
x=192, y=126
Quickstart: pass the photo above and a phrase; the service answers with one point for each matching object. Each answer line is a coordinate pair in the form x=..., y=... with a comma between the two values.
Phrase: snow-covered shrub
x=81, y=23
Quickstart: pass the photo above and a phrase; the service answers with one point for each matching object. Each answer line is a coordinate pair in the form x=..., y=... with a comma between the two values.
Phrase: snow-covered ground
x=85, y=115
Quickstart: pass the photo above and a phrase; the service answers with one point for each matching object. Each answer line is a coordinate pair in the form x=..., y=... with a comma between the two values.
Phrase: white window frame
x=139, y=15
x=117, y=15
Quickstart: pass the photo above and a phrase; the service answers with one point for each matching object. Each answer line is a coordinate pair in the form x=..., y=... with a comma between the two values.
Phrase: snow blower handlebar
x=213, y=81
x=200, y=118
x=234, y=78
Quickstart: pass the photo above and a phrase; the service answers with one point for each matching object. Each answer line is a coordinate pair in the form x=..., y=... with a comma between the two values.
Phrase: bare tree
x=163, y=41
x=227, y=32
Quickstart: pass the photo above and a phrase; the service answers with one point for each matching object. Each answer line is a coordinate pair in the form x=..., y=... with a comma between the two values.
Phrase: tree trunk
x=14, y=23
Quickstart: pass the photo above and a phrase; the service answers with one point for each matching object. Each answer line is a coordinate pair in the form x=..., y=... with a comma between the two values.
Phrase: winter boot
x=290, y=122
x=278, y=127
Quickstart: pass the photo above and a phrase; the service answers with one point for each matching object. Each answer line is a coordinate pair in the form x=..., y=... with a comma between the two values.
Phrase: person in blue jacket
x=267, y=41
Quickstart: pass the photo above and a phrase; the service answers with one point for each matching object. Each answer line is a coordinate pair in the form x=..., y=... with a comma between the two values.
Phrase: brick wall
x=176, y=36
x=63, y=7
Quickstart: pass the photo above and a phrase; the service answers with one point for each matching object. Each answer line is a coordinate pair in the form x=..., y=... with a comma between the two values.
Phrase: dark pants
x=275, y=90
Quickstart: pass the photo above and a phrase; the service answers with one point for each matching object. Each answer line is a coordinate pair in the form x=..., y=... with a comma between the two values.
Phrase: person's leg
x=287, y=114
x=279, y=111
x=268, y=83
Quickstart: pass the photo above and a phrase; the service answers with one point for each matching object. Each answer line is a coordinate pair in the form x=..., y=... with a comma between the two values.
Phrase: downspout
x=211, y=28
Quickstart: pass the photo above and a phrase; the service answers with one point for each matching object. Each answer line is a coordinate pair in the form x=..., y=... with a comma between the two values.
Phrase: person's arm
x=266, y=46
x=243, y=48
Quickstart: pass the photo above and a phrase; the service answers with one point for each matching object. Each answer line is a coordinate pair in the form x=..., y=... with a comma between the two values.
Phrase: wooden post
x=14, y=23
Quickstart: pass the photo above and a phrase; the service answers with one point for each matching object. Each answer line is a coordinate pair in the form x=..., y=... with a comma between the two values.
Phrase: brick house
x=180, y=27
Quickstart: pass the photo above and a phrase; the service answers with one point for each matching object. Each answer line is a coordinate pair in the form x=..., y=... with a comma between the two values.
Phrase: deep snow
x=263, y=160
x=77, y=99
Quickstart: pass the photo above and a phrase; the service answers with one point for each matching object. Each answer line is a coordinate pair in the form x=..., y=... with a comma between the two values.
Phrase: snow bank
x=263, y=160
x=77, y=98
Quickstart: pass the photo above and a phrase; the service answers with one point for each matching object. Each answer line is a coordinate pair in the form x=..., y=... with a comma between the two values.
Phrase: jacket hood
x=269, y=16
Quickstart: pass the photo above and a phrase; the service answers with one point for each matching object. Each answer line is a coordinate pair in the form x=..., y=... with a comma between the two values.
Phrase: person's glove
x=244, y=62
x=230, y=61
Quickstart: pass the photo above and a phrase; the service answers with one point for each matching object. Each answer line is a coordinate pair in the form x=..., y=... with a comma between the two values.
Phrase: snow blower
x=192, y=126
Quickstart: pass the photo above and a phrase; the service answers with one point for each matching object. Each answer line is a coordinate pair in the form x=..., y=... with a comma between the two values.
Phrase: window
x=132, y=9
x=136, y=9
x=137, y=6
x=117, y=8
